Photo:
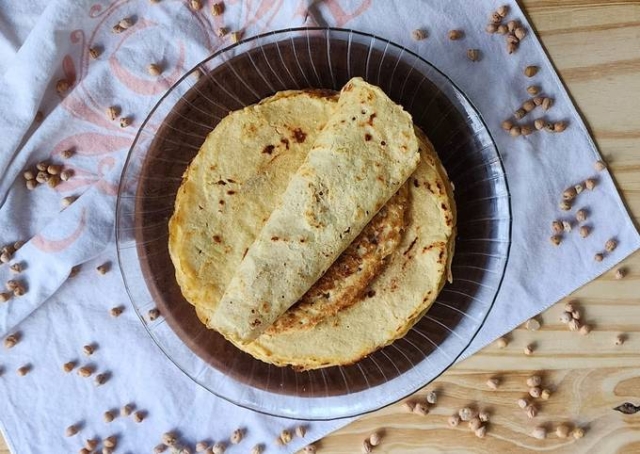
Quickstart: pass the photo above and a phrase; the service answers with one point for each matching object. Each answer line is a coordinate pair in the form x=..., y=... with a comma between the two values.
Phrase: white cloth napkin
x=42, y=42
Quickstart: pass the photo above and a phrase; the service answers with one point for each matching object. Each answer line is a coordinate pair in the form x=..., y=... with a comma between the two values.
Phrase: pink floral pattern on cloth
x=170, y=34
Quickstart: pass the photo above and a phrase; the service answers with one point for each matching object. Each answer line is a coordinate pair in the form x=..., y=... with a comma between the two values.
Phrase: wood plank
x=595, y=45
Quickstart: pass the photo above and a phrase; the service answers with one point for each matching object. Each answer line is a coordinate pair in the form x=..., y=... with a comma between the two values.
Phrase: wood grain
x=595, y=45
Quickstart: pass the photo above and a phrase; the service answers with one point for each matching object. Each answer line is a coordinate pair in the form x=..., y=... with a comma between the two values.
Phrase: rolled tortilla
x=364, y=154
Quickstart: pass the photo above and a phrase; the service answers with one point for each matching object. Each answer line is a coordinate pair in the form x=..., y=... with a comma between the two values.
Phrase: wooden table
x=595, y=45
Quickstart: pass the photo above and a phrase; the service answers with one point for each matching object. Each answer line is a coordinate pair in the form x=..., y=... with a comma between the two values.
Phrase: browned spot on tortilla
x=443, y=206
x=217, y=239
x=413, y=243
x=383, y=143
x=285, y=141
x=416, y=183
x=268, y=149
x=222, y=182
x=439, y=187
x=302, y=240
x=231, y=192
x=230, y=180
x=255, y=323
x=348, y=87
x=371, y=117
x=275, y=238
x=299, y=135
x=244, y=254
x=221, y=202
x=252, y=128
x=367, y=137
x=371, y=293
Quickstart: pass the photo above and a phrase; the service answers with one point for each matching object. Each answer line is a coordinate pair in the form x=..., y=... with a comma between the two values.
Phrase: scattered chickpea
x=528, y=350
x=555, y=240
x=71, y=431
x=533, y=90
x=154, y=69
x=493, y=383
x=515, y=131
x=375, y=439
x=408, y=406
x=125, y=121
x=526, y=130
x=495, y=18
x=520, y=113
x=598, y=257
x=466, y=414
x=585, y=230
x=85, y=371
x=219, y=448
x=126, y=23
x=74, y=271
x=24, y=370
x=565, y=205
x=474, y=423
x=455, y=35
x=566, y=226
x=91, y=444
x=101, y=379
x=5, y=296
x=236, y=36
x=483, y=415
x=110, y=442
x=217, y=9
x=620, y=273
x=481, y=432
x=62, y=86
x=126, y=410
x=160, y=448
x=169, y=439
x=222, y=31
x=610, y=245
x=94, y=52
x=620, y=339
x=238, y=434
x=590, y=184
x=557, y=226
x=153, y=314
x=138, y=416
x=539, y=432
x=531, y=71
x=108, y=416
x=522, y=403
x=473, y=54
x=569, y=193
x=535, y=392
x=545, y=394
x=531, y=411
x=201, y=446
x=599, y=166
x=534, y=380
x=88, y=349
x=366, y=447
x=581, y=215
x=577, y=433
x=533, y=324
x=113, y=112
x=547, y=103
x=502, y=342
x=529, y=105
x=559, y=126
x=503, y=11
x=421, y=409
x=491, y=28
x=454, y=420
x=53, y=181
x=31, y=184
x=309, y=449
x=68, y=366
x=574, y=325
x=11, y=340
x=257, y=449
x=562, y=431
x=116, y=311
x=196, y=5
x=585, y=329
x=432, y=397
x=104, y=268
x=502, y=29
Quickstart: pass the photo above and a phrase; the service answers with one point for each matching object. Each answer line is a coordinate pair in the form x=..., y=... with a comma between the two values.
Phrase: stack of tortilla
x=314, y=228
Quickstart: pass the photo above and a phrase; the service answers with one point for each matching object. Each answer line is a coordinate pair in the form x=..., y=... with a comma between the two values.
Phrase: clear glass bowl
x=241, y=75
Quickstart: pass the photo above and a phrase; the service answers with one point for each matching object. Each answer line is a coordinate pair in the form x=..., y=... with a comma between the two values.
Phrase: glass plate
x=241, y=75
